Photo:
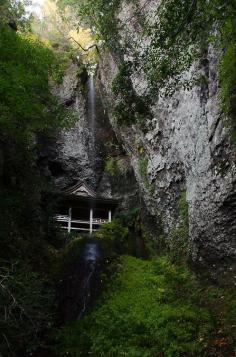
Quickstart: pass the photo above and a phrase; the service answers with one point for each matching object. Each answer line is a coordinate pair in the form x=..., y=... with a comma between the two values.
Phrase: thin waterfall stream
x=81, y=283
x=90, y=257
x=92, y=118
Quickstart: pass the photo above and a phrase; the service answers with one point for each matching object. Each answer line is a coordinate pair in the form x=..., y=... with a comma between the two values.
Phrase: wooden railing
x=71, y=223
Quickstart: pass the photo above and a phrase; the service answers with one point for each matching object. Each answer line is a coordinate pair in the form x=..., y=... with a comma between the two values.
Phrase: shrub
x=27, y=107
x=113, y=237
x=26, y=308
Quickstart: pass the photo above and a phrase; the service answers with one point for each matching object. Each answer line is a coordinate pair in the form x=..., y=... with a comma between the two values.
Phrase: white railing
x=71, y=222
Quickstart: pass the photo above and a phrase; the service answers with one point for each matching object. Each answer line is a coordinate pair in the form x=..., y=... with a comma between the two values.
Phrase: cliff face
x=83, y=151
x=185, y=147
x=68, y=154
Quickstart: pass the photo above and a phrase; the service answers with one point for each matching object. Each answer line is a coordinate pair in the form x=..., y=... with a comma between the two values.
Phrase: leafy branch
x=83, y=48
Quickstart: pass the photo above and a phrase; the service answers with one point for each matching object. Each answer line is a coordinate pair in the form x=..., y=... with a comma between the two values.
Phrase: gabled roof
x=81, y=192
x=80, y=189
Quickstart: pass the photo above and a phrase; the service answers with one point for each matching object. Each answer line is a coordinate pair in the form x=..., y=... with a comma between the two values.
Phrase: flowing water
x=92, y=118
x=81, y=283
x=90, y=257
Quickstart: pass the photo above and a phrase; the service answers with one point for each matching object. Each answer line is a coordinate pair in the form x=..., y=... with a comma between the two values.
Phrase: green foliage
x=183, y=207
x=101, y=14
x=114, y=237
x=155, y=242
x=116, y=165
x=14, y=11
x=143, y=166
x=130, y=108
x=26, y=308
x=129, y=218
x=25, y=66
x=228, y=74
x=151, y=308
x=111, y=166
x=120, y=236
x=179, y=33
x=178, y=243
x=71, y=253
x=57, y=29
x=178, y=237
x=27, y=108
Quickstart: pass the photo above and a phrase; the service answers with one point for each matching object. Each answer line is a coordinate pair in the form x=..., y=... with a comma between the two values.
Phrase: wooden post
x=69, y=220
x=109, y=216
x=91, y=221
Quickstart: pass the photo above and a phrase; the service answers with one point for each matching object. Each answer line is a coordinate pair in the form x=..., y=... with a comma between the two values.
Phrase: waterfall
x=91, y=255
x=92, y=118
x=79, y=287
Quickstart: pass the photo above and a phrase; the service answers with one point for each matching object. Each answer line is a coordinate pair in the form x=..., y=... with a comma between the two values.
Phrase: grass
x=152, y=308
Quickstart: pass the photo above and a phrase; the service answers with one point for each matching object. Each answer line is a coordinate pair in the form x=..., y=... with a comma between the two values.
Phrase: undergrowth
x=151, y=308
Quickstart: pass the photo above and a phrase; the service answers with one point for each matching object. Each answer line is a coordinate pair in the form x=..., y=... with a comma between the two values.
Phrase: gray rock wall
x=69, y=157
x=81, y=152
x=186, y=145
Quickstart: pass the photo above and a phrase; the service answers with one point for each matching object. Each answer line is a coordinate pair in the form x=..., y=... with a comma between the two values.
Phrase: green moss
x=111, y=166
x=178, y=243
x=143, y=166
x=228, y=75
x=178, y=237
x=183, y=207
x=156, y=246
x=117, y=165
x=151, y=308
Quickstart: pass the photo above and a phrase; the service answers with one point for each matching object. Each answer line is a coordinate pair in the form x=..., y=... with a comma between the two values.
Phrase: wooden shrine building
x=82, y=210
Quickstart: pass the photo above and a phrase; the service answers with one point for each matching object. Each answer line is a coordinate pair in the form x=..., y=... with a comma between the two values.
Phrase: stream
x=81, y=282
x=90, y=258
